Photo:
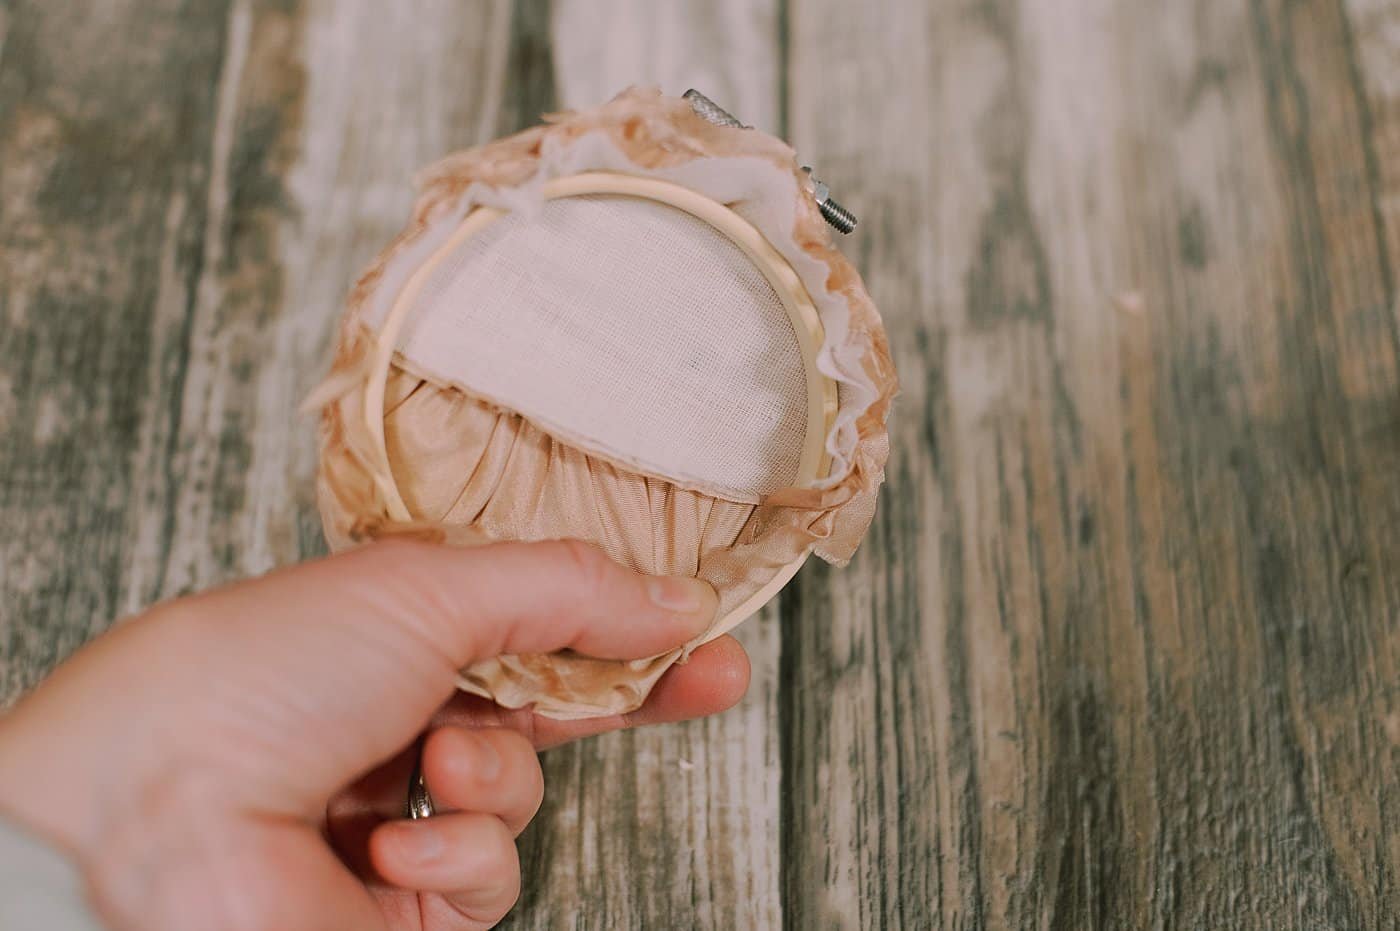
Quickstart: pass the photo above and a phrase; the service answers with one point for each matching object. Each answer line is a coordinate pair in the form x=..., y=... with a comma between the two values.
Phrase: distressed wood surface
x=1123, y=647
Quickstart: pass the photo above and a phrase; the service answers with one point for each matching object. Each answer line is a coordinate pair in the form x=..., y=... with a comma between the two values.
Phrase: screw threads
x=709, y=110
x=836, y=215
x=839, y=217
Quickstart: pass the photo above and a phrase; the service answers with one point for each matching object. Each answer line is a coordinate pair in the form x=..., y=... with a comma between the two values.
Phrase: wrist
x=131, y=834
x=75, y=753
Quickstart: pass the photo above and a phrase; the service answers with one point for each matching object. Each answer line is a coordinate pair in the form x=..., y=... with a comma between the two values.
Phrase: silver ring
x=419, y=803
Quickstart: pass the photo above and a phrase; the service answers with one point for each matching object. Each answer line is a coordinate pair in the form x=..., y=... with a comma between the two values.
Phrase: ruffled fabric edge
x=655, y=136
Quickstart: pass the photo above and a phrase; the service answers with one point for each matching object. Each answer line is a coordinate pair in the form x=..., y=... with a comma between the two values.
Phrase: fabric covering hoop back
x=806, y=325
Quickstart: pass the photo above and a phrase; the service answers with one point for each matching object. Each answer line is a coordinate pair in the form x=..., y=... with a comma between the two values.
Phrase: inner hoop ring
x=815, y=461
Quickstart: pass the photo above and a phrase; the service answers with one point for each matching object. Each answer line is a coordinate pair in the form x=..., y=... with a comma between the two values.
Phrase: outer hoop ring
x=802, y=313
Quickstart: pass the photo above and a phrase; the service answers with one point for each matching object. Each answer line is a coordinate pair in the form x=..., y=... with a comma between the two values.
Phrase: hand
x=239, y=759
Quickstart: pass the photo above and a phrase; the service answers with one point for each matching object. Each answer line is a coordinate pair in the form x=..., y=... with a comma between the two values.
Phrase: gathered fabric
x=472, y=470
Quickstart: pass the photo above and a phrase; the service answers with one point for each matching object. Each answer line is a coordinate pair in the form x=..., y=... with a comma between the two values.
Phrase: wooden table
x=1123, y=647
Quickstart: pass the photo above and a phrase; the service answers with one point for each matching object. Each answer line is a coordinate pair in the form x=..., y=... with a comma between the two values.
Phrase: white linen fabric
x=631, y=325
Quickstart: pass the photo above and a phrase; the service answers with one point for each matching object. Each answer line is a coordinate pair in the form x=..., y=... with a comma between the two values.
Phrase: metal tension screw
x=709, y=110
x=839, y=217
x=835, y=214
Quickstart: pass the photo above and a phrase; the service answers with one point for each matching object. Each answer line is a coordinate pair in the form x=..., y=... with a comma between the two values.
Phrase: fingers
x=487, y=785
x=475, y=602
x=493, y=771
x=543, y=597
x=714, y=679
x=333, y=665
x=469, y=857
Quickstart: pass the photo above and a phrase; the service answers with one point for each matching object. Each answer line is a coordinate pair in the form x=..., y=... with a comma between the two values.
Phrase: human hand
x=239, y=759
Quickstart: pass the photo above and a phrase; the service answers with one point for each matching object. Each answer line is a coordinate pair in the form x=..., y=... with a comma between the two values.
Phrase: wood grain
x=1123, y=647
x=1121, y=650
x=103, y=186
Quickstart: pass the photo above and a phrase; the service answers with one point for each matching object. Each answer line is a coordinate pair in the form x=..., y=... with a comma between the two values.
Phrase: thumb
x=358, y=650
x=285, y=688
x=477, y=602
x=448, y=606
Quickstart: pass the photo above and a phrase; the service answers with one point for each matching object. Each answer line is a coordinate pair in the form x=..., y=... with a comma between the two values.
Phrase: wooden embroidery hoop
x=815, y=461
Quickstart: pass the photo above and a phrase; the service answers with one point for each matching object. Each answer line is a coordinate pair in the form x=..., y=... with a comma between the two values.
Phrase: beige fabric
x=463, y=463
x=475, y=472
x=460, y=461
x=562, y=315
x=644, y=134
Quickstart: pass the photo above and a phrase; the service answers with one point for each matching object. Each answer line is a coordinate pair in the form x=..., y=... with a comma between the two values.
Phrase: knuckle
x=392, y=564
x=396, y=579
x=500, y=862
x=509, y=895
x=590, y=566
x=493, y=903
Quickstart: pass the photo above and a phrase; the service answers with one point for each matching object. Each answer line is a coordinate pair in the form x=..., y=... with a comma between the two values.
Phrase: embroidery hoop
x=815, y=460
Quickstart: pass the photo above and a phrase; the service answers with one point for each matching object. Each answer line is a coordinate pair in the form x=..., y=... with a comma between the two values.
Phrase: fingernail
x=680, y=595
x=420, y=842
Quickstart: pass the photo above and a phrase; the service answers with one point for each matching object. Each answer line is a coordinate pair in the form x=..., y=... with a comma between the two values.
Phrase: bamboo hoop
x=815, y=461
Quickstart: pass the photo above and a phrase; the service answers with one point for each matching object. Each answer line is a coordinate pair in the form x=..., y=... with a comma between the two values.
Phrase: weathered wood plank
x=728, y=49
x=1122, y=649
x=1373, y=47
x=105, y=117
x=674, y=827
x=1375, y=50
x=212, y=304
